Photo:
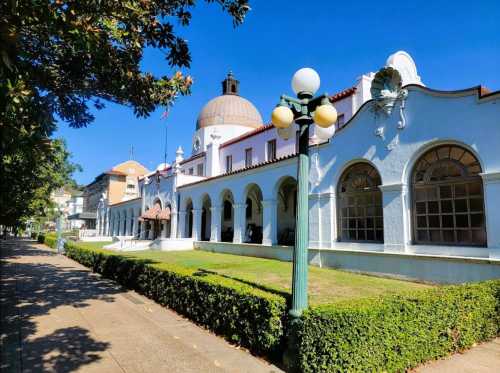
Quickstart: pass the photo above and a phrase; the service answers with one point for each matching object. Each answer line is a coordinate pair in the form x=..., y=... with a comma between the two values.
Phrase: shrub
x=395, y=333
x=50, y=239
x=242, y=313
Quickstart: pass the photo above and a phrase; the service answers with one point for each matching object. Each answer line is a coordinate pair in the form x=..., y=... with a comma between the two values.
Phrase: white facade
x=452, y=135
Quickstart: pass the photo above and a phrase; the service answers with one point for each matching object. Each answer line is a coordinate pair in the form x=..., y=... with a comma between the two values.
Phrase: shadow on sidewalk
x=30, y=288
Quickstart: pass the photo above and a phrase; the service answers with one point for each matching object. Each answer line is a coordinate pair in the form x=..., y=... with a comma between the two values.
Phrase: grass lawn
x=325, y=285
x=94, y=244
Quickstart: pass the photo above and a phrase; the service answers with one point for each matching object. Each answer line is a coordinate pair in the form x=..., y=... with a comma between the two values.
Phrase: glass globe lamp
x=305, y=80
x=282, y=117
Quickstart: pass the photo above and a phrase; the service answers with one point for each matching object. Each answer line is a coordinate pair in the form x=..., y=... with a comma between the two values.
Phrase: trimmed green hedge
x=397, y=332
x=49, y=239
x=242, y=313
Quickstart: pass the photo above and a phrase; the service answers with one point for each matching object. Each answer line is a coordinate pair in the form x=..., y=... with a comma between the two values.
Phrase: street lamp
x=304, y=110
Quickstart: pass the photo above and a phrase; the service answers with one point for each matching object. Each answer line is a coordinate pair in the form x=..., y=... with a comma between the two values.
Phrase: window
x=199, y=169
x=248, y=157
x=191, y=171
x=229, y=163
x=360, y=200
x=271, y=150
x=131, y=186
x=340, y=121
x=448, y=201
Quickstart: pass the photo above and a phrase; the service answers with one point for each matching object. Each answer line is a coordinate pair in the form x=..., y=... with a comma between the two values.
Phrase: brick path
x=58, y=316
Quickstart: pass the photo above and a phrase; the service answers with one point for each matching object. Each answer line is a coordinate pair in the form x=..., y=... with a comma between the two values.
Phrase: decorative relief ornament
x=386, y=90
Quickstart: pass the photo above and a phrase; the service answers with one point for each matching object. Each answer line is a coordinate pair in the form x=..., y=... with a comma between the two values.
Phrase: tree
x=33, y=172
x=59, y=57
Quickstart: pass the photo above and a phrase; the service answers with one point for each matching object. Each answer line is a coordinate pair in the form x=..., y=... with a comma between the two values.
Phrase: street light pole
x=305, y=111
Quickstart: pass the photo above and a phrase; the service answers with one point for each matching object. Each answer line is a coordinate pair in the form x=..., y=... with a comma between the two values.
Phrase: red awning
x=156, y=213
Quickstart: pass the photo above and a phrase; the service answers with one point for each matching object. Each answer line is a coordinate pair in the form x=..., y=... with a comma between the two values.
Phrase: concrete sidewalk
x=58, y=316
x=484, y=358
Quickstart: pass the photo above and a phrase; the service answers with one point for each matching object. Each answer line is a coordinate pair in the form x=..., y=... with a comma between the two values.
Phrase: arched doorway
x=227, y=216
x=286, y=211
x=360, y=204
x=253, y=214
x=206, y=218
x=188, y=226
x=156, y=223
x=448, y=201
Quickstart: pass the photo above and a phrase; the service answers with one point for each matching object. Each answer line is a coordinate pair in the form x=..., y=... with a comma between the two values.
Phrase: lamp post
x=305, y=110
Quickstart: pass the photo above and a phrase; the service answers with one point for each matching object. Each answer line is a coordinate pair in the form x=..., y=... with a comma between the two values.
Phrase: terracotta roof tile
x=240, y=170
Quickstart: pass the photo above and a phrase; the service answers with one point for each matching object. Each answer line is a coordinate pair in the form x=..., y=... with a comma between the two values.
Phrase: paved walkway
x=484, y=358
x=58, y=316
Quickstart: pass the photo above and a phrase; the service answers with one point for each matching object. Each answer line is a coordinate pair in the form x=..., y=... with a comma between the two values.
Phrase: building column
x=239, y=222
x=215, y=225
x=135, y=226
x=196, y=224
x=181, y=224
x=269, y=222
x=491, y=187
x=164, y=229
x=143, y=230
x=98, y=222
x=173, y=224
x=106, y=223
x=394, y=197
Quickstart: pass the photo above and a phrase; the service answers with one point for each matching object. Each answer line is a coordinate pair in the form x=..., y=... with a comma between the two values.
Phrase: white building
x=408, y=186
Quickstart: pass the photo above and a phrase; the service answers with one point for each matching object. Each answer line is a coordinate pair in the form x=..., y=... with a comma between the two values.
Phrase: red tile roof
x=343, y=94
x=262, y=164
x=247, y=135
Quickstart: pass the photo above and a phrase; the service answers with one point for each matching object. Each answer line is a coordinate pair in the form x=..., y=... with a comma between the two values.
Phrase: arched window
x=448, y=206
x=360, y=201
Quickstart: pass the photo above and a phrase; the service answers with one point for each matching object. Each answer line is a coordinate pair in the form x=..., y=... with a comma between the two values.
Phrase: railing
x=87, y=233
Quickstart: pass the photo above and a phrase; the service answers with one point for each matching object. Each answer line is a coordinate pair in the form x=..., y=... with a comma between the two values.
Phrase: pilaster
x=491, y=187
x=173, y=224
x=197, y=224
x=239, y=222
x=215, y=225
x=269, y=228
x=396, y=234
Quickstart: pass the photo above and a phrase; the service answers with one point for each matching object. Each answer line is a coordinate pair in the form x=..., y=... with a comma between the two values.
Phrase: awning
x=156, y=213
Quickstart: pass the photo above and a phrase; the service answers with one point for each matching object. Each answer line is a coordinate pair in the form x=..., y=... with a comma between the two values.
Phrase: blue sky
x=456, y=44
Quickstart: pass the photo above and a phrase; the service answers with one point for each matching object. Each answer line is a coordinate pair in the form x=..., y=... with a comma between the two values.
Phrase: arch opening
x=188, y=226
x=448, y=198
x=360, y=210
x=286, y=211
x=227, y=216
x=206, y=218
x=253, y=215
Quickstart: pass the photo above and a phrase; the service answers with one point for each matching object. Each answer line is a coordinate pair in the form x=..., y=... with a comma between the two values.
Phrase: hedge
x=49, y=239
x=246, y=315
x=391, y=333
x=395, y=333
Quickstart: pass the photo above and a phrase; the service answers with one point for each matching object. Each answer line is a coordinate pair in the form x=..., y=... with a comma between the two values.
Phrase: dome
x=230, y=108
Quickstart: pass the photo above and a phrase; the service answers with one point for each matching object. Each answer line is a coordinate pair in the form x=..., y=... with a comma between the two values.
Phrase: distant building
x=409, y=185
x=120, y=183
